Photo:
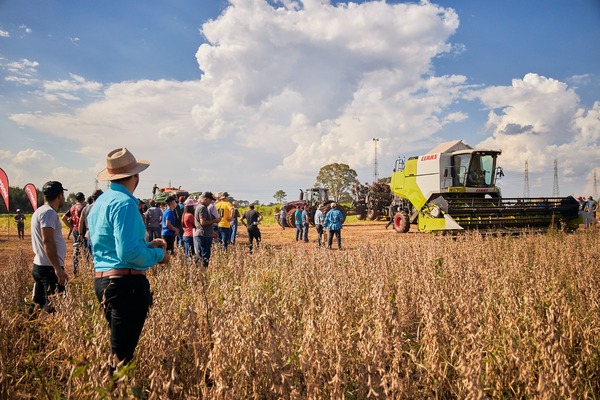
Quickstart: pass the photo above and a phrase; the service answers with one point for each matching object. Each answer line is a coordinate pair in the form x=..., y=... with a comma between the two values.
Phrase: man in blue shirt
x=333, y=222
x=121, y=253
x=169, y=227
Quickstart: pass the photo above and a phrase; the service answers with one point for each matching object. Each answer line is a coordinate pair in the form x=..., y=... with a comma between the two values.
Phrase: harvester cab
x=453, y=187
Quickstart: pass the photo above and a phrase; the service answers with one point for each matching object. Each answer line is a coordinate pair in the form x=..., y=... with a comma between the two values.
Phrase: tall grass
x=416, y=317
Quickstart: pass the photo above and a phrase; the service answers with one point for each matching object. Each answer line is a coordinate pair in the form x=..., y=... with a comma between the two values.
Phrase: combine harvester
x=453, y=188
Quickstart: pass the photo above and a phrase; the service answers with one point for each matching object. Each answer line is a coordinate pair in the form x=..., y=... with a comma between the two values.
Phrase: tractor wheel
x=401, y=222
x=290, y=218
x=372, y=215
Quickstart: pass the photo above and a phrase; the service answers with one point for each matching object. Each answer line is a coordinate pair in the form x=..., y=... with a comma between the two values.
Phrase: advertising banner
x=4, y=188
x=32, y=194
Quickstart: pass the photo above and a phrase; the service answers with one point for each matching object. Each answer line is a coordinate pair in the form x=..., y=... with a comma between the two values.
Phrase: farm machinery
x=453, y=188
x=312, y=198
x=159, y=195
x=372, y=201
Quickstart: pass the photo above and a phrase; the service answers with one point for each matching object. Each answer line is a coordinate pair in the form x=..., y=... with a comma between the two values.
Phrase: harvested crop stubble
x=447, y=317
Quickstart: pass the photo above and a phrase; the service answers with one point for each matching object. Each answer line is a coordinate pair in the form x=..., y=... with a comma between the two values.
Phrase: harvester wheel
x=401, y=222
x=372, y=215
x=290, y=218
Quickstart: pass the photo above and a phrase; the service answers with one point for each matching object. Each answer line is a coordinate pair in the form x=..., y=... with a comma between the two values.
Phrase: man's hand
x=62, y=276
x=156, y=243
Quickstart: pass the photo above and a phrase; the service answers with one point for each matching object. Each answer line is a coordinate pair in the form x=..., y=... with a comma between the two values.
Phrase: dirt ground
x=352, y=234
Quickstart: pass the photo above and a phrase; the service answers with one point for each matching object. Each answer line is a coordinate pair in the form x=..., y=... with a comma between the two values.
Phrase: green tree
x=338, y=178
x=280, y=196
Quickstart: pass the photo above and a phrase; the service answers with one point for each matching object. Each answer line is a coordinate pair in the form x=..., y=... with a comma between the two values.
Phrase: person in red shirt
x=71, y=219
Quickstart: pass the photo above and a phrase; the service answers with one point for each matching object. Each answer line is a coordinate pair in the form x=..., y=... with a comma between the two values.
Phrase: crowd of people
x=126, y=237
x=587, y=209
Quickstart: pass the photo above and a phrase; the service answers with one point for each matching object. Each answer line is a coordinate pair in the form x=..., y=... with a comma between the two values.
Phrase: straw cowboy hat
x=120, y=163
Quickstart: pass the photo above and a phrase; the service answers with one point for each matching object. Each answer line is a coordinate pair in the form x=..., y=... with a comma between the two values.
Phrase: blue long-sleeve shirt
x=118, y=233
x=334, y=220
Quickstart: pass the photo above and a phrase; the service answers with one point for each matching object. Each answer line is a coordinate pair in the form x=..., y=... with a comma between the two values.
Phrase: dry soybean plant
x=418, y=316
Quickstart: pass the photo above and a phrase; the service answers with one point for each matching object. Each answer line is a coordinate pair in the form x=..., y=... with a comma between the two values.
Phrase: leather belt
x=119, y=272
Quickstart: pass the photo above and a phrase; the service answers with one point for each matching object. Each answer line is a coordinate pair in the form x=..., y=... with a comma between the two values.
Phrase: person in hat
x=121, y=254
x=203, y=234
x=20, y=220
x=169, y=228
x=226, y=212
x=71, y=219
x=49, y=247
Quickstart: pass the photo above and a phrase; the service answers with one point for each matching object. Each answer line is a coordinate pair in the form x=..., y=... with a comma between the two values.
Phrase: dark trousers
x=170, y=239
x=253, y=234
x=306, y=226
x=319, y=232
x=153, y=233
x=45, y=284
x=338, y=235
x=202, y=245
x=21, y=230
x=125, y=301
x=298, y=232
x=76, y=246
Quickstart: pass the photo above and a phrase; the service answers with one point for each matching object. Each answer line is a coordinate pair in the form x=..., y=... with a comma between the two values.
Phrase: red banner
x=32, y=194
x=4, y=188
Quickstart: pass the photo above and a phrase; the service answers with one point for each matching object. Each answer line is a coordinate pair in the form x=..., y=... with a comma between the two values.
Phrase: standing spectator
x=153, y=221
x=234, y=221
x=203, y=234
x=333, y=223
x=187, y=223
x=298, y=223
x=225, y=210
x=251, y=218
x=20, y=220
x=71, y=219
x=178, y=211
x=590, y=211
x=282, y=216
x=49, y=247
x=122, y=255
x=169, y=230
x=319, y=221
x=83, y=225
x=305, y=222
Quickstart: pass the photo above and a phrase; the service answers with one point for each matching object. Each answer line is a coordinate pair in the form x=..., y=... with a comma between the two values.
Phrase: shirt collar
x=121, y=188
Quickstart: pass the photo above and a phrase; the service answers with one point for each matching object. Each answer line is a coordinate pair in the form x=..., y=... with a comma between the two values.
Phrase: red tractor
x=315, y=198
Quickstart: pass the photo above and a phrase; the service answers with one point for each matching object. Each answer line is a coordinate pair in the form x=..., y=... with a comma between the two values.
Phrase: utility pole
x=526, y=183
x=595, y=186
x=375, y=171
x=555, y=190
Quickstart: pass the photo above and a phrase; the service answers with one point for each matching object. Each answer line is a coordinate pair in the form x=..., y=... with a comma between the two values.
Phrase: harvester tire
x=372, y=215
x=401, y=222
x=290, y=218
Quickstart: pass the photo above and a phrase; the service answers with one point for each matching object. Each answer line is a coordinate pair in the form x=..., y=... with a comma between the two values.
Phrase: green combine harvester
x=453, y=188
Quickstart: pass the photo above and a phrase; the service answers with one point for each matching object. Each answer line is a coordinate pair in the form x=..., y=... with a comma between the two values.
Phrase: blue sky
x=251, y=96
